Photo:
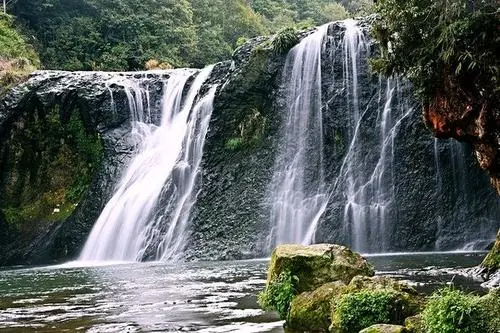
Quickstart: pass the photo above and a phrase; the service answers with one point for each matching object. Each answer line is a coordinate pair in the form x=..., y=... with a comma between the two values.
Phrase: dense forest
x=126, y=34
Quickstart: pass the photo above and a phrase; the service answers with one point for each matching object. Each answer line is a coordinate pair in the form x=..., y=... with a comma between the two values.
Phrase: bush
x=453, y=311
x=366, y=308
x=284, y=40
x=279, y=295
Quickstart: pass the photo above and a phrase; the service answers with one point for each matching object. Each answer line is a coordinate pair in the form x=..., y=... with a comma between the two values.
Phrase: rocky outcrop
x=431, y=204
x=315, y=265
x=469, y=116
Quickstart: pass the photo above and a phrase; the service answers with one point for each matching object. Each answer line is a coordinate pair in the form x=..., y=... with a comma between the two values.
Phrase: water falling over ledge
x=128, y=225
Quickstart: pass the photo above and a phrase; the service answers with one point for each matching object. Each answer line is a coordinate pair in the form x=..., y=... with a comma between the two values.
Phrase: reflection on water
x=195, y=297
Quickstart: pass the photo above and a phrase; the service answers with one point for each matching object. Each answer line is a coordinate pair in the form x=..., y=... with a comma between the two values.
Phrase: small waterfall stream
x=129, y=224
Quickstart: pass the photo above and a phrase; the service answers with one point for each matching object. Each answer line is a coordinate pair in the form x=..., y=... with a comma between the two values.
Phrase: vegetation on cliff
x=48, y=162
x=17, y=57
x=449, y=50
x=125, y=34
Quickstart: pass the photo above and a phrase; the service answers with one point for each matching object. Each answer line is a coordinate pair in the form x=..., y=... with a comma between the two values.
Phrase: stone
x=491, y=263
x=415, y=324
x=490, y=305
x=384, y=328
x=311, y=311
x=395, y=302
x=315, y=265
x=379, y=282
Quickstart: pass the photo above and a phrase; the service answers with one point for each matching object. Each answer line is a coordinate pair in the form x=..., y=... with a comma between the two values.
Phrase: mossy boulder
x=374, y=300
x=311, y=311
x=384, y=328
x=490, y=305
x=315, y=265
x=361, y=282
x=491, y=263
x=415, y=324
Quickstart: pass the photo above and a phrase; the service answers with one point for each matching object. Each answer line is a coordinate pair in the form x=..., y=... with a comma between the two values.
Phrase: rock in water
x=311, y=311
x=384, y=328
x=316, y=265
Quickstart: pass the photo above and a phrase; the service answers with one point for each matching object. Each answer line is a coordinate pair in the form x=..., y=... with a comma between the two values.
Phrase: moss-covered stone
x=361, y=282
x=490, y=305
x=316, y=265
x=492, y=261
x=415, y=324
x=384, y=328
x=311, y=311
x=357, y=310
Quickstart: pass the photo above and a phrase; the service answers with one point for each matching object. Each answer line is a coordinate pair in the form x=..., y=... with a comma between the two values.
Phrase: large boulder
x=384, y=328
x=490, y=305
x=315, y=265
x=374, y=300
x=311, y=311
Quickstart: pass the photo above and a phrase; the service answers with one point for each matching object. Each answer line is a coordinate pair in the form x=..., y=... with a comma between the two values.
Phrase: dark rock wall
x=436, y=205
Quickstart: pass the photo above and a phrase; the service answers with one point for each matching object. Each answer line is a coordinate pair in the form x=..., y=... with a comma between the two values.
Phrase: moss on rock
x=49, y=160
x=490, y=305
x=316, y=265
x=358, y=310
x=311, y=311
x=492, y=261
x=415, y=324
x=384, y=328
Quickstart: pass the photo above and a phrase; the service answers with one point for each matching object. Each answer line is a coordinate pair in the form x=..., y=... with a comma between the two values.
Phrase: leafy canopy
x=439, y=44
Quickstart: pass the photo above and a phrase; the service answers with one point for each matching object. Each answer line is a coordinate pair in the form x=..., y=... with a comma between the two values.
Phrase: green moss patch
x=49, y=160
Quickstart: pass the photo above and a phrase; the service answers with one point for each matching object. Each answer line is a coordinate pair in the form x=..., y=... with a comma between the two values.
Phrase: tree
x=449, y=50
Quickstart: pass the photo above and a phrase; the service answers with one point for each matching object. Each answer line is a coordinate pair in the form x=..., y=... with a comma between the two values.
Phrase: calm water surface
x=193, y=297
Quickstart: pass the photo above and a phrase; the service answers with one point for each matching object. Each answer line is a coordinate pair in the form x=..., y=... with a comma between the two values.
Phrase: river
x=187, y=297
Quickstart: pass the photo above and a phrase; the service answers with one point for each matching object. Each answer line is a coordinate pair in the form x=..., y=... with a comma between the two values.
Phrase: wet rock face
x=475, y=120
x=61, y=95
x=437, y=203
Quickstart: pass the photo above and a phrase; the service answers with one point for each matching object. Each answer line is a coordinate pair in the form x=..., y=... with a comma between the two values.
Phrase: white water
x=369, y=188
x=298, y=189
x=124, y=229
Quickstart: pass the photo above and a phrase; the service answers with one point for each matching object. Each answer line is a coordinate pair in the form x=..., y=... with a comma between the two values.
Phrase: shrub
x=278, y=295
x=359, y=310
x=284, y=40
x=453, y=311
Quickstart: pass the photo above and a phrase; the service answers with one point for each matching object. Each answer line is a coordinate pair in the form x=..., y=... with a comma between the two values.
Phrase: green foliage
x=359, y=310
x=125, y=34
x=452, y=311
x=441, y=44
x=279, y=294
x=234, y=144
x=284, y=40
x=17, y=57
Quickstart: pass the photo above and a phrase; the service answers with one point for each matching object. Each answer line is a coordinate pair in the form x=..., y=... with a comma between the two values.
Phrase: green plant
x=368, y=307
x=284, y=40
x=279, y=294
x=234, y=144
x=453, y=311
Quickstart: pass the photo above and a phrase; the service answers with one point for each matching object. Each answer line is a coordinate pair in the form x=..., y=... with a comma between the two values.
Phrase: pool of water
x=189, y=297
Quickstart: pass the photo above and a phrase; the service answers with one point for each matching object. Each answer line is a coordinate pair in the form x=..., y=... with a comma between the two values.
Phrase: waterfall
x=298, y=188
x=367, y=175
x=170, y=152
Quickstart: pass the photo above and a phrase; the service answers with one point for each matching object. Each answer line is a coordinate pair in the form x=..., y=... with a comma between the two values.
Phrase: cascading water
x=128, y=224
x=367, y=176
x=298, y=190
